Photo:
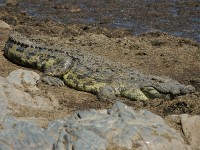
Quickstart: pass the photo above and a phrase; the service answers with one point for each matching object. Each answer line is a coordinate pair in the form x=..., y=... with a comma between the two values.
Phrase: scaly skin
x=89, y=73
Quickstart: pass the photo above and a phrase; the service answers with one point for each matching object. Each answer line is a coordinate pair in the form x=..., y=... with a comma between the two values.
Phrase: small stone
x=24, y=79
x=15, y=92
x=4, y=25
x=106, y=93
x=5, y=31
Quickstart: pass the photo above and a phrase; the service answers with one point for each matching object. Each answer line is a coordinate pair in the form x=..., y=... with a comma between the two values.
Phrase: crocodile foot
x=144, y=93
x=53, y=81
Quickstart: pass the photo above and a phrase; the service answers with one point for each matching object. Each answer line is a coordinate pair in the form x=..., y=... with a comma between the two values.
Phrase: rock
x=12, y=93
x=8, y=121
x=3, y=108
x=4, y=25
x=5, y=30
x=24, y=79
x=121, y=127
x=191, y=129
x=55, y=127
x=106, y=93
x=21, y=135
x=39, y=121
x=3, y=103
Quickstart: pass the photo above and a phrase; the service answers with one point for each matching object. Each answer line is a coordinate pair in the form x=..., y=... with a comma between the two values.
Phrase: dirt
x=151, y=53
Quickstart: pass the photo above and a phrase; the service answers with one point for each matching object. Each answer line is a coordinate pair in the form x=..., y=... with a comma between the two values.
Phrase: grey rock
x=24, y=135
x=118, y=127
x=3, y=103
x=191, y=129
x=3, y=108
x=121, y=126
x=5, y=30
x=7, y=121
x=106, y=93
x=13, y=93
x=24, y=79
x=39, y=121
x=54, y=128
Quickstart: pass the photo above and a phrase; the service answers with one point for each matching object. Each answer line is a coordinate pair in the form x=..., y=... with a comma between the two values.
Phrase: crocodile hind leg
x=134, y=94
x=110, y=92
x=143, y=93
x=152, y=93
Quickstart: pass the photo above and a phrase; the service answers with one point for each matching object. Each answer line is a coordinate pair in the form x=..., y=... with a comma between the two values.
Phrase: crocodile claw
x=53, y=81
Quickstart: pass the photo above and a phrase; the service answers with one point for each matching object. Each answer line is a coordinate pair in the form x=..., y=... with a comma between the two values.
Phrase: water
x=2, y=2
x=176, y=17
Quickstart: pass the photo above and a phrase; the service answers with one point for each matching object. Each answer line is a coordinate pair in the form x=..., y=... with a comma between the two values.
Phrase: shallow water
x=2, y=2
x=176, y=17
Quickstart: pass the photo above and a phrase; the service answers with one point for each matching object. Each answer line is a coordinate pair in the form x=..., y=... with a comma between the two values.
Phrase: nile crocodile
x=90, y=73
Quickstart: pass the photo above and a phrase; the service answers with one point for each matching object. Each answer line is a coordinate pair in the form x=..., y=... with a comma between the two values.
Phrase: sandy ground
x=151, y=53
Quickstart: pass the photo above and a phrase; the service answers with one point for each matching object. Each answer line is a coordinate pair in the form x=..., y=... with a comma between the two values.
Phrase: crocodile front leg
x=53, y=75
x=61, y=66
